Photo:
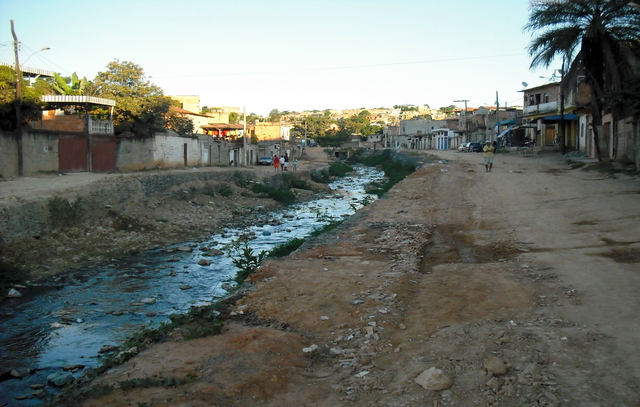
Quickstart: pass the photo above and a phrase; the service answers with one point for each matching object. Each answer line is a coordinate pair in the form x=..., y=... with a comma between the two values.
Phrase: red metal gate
x=103, y=153
x=72, y=153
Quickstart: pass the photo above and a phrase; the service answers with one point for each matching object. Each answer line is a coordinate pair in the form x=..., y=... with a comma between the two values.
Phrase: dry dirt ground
x=520, y=285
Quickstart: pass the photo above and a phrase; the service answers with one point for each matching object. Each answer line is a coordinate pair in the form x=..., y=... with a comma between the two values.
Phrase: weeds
x=285, y=249
x=63, y=212
x=395, y=166
x=243, y=257
x=284, y=196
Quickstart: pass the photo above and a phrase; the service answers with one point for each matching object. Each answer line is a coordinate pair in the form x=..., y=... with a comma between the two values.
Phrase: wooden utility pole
x=18, y=102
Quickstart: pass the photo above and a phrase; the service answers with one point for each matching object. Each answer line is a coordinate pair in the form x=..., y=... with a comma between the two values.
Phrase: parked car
x=475, y=147
x=265, y=161
x=463, y=148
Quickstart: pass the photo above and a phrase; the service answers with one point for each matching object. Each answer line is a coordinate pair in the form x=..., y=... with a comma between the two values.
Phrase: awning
x=507, y=122
x=505, y=132
x=564, y=117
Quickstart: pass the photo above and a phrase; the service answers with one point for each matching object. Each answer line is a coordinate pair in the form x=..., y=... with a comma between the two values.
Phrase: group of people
x=282, y=163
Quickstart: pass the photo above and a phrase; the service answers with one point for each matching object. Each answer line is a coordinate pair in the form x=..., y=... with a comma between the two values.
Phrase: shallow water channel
x=69, y=321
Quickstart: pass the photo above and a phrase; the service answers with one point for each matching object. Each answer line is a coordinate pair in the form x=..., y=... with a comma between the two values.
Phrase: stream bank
x=119, y=216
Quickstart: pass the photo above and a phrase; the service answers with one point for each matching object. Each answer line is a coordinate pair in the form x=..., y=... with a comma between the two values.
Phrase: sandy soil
x=520, y=285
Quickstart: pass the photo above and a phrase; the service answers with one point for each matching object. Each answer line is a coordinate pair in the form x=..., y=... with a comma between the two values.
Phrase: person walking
x=295, y=164
x=281, y=163
x=488, y=155
x=276, y=162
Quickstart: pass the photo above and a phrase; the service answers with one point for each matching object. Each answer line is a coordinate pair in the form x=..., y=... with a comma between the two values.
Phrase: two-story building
x=545, y=114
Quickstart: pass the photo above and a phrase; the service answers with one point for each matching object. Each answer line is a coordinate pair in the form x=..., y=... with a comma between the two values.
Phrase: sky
x=289, y=55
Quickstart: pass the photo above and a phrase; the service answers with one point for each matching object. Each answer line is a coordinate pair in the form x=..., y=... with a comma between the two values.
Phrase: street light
x=29, y=57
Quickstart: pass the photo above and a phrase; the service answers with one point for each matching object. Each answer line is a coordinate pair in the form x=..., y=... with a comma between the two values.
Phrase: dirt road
x=519, y=286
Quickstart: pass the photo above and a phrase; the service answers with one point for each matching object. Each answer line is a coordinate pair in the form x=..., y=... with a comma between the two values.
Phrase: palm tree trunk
x=596, y=122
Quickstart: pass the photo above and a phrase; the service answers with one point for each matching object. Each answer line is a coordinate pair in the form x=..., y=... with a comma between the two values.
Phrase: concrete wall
x=134, y=154
x=8, y=155
x=168, y=151
x=40, y=152
x=165, y=150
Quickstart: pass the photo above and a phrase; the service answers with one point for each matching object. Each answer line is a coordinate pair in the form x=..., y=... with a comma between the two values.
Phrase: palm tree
x=598, y=35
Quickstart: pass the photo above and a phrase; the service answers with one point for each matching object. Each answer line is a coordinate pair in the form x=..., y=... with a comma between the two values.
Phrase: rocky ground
x=460, y=287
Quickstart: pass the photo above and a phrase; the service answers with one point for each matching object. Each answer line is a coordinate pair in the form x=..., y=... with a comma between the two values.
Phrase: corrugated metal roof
x=78, y=99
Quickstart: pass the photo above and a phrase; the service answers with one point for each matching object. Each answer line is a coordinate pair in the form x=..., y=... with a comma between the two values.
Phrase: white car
x=463, y=148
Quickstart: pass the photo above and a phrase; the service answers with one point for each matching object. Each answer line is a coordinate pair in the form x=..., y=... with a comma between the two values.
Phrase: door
x=72, y=153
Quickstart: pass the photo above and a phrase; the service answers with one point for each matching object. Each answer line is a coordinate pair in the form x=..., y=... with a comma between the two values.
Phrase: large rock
x=434, y=379
x=495, y=366
x=13, y=293
x=60, y=379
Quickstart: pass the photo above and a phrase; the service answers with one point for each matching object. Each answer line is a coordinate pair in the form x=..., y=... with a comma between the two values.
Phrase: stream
x=67, y=322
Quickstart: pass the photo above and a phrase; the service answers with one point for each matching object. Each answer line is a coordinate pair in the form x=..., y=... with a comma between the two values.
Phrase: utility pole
x=18, y=102
x=466, y=117
x=562, y=135
x=497, y=115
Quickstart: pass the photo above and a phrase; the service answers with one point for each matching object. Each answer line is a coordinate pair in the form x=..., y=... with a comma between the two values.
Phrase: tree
x=597, y=35
x=234, y=117
x=274, y=116
x=313, y=126
x=29, y=105
x=141, y=107
x=69, y=85
x=356, y=123
x=179, y=123
x=448, y=109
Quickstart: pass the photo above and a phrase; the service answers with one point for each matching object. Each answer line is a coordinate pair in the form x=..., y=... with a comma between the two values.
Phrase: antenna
x=525, y=84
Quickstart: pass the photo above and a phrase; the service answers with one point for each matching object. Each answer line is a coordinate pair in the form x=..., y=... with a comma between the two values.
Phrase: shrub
x=284, y=196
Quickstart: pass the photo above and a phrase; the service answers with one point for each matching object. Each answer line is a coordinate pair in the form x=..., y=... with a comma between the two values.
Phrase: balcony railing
x=100, y=127
x=548, y=107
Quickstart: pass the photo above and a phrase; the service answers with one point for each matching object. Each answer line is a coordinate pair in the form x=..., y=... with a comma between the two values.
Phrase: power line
x=340, y=67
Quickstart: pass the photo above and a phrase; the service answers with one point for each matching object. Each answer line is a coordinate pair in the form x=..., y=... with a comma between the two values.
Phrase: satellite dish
x=525, y=84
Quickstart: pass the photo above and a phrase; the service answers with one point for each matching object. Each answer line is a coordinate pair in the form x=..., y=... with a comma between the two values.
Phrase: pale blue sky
x=288, y=54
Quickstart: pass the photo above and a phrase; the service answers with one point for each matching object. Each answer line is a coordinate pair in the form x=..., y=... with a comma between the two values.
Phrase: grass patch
x=335, y=169
x=575, y=164
x=395, y=166
x=611, y=168
x=284, y=196
x=285, y=249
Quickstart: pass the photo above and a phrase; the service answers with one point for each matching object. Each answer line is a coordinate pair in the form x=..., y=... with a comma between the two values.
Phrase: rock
x=187, y=249
x=203, y=262
x=185, y=287
x=433, y=379
x=60, y=379
x=494, y=384
x=495, y=366
x=148, y=301
x=216, y=252
x=22, y=397
x=310, y=348
x=20, y=372
x=72, y=367
x=13, y=293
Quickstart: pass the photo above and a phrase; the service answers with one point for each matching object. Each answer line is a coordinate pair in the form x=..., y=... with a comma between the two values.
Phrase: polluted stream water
x=56, y=330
